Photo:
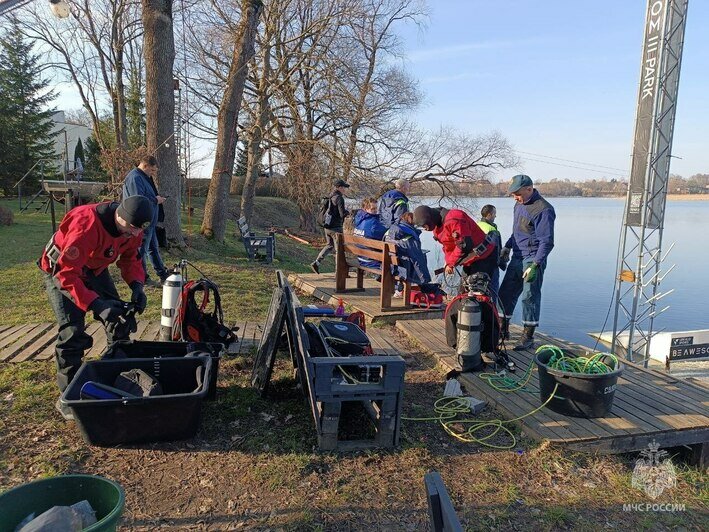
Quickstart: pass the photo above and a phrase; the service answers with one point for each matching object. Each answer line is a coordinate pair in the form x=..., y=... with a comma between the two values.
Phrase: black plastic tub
x=142, y=349
x=175, y=415
x=578, y=394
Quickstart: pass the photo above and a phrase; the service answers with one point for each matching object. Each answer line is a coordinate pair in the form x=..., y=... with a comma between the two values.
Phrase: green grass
x=245, y=286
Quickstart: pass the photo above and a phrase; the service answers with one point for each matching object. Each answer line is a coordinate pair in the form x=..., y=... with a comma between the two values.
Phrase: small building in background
x=66, y=136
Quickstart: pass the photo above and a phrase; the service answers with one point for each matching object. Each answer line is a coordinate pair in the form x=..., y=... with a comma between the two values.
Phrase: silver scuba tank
x=468, y=327
x=171, y=290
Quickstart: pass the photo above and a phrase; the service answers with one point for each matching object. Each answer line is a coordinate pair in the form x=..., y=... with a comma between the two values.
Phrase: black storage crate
x=143, y=349
x=175, y=415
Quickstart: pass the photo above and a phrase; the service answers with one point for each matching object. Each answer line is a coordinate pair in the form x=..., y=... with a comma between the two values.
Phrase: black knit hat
x=425, y=216
x=137, y=211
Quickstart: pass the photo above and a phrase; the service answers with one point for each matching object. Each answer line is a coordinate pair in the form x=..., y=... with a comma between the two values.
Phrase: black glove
x=108, y=311
x=138, y=298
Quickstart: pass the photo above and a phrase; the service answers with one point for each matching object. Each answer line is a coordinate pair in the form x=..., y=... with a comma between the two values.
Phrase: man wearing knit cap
x=75, y=264
x=531, y=242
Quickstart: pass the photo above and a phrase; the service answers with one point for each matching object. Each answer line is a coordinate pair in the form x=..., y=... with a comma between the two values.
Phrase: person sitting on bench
x=413, y=266
x=367, y=224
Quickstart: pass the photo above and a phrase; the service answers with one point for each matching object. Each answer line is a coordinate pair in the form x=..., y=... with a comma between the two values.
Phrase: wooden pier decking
x=35, y=341
x=648, y=405
x=322, y=286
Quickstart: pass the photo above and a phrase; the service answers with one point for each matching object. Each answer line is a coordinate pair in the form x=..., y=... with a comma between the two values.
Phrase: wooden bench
x=384, y=252
x=253, y=243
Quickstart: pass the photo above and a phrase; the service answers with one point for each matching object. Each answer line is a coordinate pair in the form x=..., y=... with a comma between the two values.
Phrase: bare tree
x=90, y=51
x=159, y=50
x=214, y=223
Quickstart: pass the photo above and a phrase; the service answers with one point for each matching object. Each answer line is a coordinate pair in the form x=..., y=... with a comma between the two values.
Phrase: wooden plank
x=140, y=329
x=39, y=345
x=151, y=332
x=4, y=328
x=15, y=333
x=19, y=347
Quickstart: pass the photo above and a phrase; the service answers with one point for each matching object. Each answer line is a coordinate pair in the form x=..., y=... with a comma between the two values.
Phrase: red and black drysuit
x=464, y=243
x=75, y=265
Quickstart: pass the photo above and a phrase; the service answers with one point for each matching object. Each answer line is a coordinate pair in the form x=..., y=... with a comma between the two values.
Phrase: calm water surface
x=578, y=281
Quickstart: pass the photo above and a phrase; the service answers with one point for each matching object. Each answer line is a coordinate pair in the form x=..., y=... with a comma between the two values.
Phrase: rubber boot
x=527, y=339
x=505, y=329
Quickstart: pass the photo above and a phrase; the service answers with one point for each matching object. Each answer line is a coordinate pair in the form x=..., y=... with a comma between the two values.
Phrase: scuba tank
x=469, y=325
x=171, y=291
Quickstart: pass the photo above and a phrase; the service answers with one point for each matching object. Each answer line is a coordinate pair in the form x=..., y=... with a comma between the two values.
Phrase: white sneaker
x=398, y=294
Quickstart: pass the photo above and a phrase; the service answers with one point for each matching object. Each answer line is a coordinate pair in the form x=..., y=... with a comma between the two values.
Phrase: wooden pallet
x=322, y=286
x=35, y=341
x=648, y=405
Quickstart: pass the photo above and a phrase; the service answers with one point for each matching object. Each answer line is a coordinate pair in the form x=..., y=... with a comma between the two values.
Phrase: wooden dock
x=35, y=341
x=322, y=286
x=648, y=405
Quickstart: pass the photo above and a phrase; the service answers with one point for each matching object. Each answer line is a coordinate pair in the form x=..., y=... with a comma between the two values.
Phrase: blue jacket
x=391, y=206
x=368, y=226
x=137, y=183
x=533, y=229
x=413, y=265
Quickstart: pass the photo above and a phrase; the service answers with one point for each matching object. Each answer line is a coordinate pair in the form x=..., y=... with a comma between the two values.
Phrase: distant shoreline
x=670, y=197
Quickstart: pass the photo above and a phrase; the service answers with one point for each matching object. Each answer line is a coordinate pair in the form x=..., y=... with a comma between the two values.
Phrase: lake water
x=578, y=281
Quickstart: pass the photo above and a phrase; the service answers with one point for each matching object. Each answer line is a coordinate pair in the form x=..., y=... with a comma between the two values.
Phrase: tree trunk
x=215, y=209
x=159, y=50
x=255, y=152
x=119, y=103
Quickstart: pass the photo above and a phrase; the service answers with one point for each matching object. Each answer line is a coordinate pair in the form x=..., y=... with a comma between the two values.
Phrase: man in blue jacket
x=394, y=203
x=531, y=242
x=139, y=182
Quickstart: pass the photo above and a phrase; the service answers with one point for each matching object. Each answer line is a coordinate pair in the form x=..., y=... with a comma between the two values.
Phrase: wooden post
x=387, y=280
x=407, y=293
x=341, y=268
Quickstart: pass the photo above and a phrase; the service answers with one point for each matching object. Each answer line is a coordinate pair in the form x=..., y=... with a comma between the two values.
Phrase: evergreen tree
x=79, y=152
x=25, y=121
x=93, y=171
x=242, y=157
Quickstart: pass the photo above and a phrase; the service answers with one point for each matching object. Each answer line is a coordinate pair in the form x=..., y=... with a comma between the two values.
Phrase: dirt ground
x=255, y=466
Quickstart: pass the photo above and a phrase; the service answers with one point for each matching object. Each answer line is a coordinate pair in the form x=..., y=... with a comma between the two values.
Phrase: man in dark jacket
x=413, y=266
x=531, y=242
x=75, y=265
x=337, y=213
x=139, y=182
x=394, y=203
x=487, y=223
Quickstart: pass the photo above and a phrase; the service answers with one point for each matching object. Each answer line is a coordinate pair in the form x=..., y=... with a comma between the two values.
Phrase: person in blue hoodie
x=394, y=203
x=368, y=225
x=139, y=182
x=413, y=266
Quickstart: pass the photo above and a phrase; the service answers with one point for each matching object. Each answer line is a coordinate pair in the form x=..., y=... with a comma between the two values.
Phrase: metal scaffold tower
x=640, y=256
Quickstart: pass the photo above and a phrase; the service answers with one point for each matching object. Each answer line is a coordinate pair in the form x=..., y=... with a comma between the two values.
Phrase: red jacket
x=85, y=243
x=456, y=226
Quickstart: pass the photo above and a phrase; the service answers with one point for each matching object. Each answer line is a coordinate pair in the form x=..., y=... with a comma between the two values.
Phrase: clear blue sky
x=557, y=78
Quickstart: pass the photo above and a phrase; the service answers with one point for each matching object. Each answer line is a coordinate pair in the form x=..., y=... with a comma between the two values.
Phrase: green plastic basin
x=105, y=496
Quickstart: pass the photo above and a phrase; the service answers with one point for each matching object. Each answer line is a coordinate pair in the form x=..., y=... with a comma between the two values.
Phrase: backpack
x=193, y=322
x=325, y=212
